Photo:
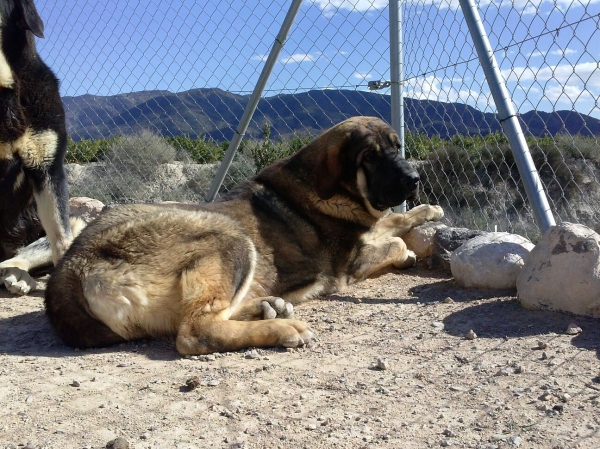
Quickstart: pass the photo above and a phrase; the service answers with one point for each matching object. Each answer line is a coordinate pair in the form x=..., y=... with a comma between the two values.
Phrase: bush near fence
x=474, y=177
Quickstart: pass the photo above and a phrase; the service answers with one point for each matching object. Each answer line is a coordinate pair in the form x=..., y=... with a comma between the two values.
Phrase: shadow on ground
x=492, y=314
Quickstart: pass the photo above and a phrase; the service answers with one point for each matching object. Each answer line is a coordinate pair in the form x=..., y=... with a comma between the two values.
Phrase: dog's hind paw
x=274, y=307
x=17, y=281
x=303, y=336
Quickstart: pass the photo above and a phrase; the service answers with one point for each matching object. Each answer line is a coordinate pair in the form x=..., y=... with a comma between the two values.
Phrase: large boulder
x=563, y=272
x=445, y=241
x=420, y=239
x=490, y=261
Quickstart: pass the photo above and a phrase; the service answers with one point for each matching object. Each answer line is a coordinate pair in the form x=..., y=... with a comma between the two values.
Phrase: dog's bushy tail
x=67, y=310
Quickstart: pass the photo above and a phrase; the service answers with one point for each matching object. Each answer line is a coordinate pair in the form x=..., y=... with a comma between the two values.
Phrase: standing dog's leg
x=52, y=203
x=14, y=271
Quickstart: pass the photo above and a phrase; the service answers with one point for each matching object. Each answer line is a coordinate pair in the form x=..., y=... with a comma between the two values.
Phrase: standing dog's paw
x=17, y=281
x=274, y=307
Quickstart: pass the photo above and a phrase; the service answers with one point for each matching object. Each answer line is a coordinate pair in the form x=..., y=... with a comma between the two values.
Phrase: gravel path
x=396, y=366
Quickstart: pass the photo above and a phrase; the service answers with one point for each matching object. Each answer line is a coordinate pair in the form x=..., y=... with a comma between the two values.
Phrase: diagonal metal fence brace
x=253, y=102
x=508, y=117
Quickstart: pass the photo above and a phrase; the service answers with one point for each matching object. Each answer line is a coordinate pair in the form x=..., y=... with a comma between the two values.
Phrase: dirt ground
x=522, y=382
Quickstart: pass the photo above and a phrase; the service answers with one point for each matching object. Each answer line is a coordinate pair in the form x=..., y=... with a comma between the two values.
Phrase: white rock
x=562, y=272
x=420, y=239
x=490, y=261
x=85, y=208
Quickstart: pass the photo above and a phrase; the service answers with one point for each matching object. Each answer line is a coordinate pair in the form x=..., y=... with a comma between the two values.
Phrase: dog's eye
x=369, y=156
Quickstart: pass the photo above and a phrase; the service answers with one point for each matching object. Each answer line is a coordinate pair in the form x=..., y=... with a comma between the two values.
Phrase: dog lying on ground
x=213, y=275
x=33, y=143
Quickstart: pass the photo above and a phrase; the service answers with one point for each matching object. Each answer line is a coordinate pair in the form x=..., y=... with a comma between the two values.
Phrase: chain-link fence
x=154, y=92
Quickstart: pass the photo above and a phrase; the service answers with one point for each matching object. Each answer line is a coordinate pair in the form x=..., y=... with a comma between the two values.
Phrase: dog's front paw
x=17, y=281
x=434, y=213
x=274, y=307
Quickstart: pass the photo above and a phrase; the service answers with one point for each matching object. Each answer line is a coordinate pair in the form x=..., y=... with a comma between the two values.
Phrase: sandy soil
x=523, y=382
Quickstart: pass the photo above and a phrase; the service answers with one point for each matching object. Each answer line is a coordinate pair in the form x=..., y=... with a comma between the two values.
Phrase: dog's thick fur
x=33, y=143
x=210, y=274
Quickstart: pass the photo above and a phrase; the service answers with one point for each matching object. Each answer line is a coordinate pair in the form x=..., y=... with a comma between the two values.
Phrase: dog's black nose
x=411, y=179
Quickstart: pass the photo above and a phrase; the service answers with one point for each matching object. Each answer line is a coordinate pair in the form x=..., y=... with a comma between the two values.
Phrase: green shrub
x=87, y=150
x=202, y=150
x=267, y=151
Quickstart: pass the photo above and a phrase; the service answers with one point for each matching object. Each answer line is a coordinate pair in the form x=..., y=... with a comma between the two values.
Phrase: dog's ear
x=328, y=172
x=31, y=19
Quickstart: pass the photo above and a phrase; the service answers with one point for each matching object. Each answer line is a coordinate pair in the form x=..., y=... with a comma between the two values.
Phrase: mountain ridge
x=215, y=113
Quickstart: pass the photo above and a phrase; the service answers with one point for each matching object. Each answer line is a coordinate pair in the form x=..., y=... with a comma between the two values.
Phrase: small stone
x=445, y=443
x=519, y=369
x=311, y=427
x=542, y=345
x=573, y=329
x=29, y=445
x=29, y=400
x=558, y=408
x=123, y=364
x=193, y=383
x=504, y=371
x=546, y=397
x=252, y=354
x=544, y=356
x=449, y=433
x=448, y=300
x=514, y=440
x=211, y=358
x=438, y=325
x=213, y=382
x=75, y=384
x=564, y=397
x=118, y=443
x=144, y=436
x=471, y=335
x=382, y=363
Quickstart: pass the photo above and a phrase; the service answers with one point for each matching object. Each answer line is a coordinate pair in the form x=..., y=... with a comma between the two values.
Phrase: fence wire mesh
x=154, y=91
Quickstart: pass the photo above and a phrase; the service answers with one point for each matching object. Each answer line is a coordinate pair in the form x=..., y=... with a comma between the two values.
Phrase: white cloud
x=566, y=94
x=588, y=72
x=558, y=52
x=259, y=58
x=363, y=76
x=433, y=88
x=566, y=51
x=297, y=58
x=350, y=5
x=525, y=6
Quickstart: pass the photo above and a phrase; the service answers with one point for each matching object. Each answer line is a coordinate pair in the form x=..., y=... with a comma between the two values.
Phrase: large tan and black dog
x=213, y=275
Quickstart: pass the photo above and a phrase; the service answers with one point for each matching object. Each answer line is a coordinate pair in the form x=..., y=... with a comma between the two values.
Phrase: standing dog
x=213, y=275
x=33, y=143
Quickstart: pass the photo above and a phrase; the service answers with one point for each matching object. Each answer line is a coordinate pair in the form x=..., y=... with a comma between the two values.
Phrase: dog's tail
x=69, y=314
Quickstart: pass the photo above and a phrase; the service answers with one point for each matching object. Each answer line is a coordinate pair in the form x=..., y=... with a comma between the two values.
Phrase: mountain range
x=216, y=113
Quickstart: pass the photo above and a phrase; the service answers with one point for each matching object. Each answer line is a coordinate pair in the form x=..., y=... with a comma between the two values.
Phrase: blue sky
x=107, y=47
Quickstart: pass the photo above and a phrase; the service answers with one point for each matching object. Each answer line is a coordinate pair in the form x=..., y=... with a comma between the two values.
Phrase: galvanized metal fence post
x=396, y=90
x=508, y=117
x=253, y=102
